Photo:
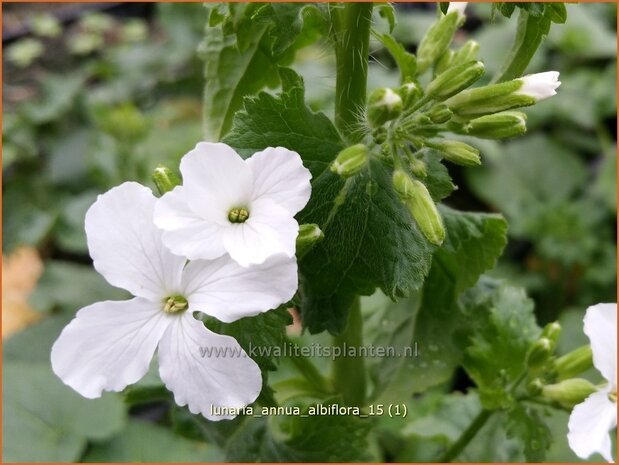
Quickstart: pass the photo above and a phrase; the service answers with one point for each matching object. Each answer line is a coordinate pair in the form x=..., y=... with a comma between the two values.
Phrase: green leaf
x=525, y=424
x=557, y=12
x=45, y=421
x=146, y=442
x=435, y=321
x=387, y=11
x=292, y=438
x=496, y=355
x=531, y=30
x=34, y=344
x=268, y=121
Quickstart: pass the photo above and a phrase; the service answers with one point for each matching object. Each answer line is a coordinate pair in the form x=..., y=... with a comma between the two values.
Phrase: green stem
x=312, y=374
x=466, y=437
x=351, y=32
x=349, y=372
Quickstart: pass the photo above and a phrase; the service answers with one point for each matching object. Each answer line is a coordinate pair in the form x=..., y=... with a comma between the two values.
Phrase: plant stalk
x=466, y=437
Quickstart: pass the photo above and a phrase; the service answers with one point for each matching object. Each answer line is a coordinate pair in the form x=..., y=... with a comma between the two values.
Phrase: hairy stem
x=466, y=436
x=351, y=32
x=349, y=372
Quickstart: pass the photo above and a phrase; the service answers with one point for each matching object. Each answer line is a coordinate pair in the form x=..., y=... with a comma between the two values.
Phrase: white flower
x=458, y=7
x=540, y=86
x=591, y=421
x=229, y=205
x=109, y=345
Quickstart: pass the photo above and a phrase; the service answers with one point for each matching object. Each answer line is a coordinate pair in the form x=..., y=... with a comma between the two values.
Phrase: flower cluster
x=222, y=244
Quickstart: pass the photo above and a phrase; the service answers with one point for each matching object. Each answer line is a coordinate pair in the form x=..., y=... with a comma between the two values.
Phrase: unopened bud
x=422, y=208
x=466, y=53
x=437, y=39
x=380, y=135
x=418, y=167
x=165, y=179
x=457, y=152
x=309, y=235
x=439, y=114
x=410, y=93
x=350, y=161
x=552, y=331
x=444, y=62
x=535, y=387
x=570, y=392
x=498, y=125
x=383, y=105
x=539, y=353
x=455, y=79
x=520, y=92
x=574, y=363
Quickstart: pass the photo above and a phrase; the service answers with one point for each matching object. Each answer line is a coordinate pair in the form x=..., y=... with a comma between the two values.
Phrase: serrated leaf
x=525, y=424
x=437, y=321
x=44, y=420
x=496, y=355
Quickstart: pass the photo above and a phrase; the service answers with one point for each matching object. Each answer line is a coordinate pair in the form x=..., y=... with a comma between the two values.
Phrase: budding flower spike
x=227, y=205
x=591, y=421
x=109, y=345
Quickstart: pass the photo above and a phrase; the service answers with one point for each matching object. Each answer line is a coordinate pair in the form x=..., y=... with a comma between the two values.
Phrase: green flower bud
x=444, y=62
x=309, y=235
x=418, y=167
x=410, y=93
x=439, y=113
x=350, y=161
x=383, y=105
x=455, y=79
x=457, y=152
x=520, y=92
x=436, y=40
x=165, y=179
x=380, y=135
x=535, y=387
x=570, y=392
x=422, y=208
x=539, y=353
x=574, y=363
x=498, y=125
x=466, y=53
x=552, y=331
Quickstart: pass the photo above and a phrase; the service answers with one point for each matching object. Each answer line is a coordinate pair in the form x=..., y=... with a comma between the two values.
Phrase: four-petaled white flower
x=540, y=86
x=109, y=345
x=591, y=421
x=244, y=208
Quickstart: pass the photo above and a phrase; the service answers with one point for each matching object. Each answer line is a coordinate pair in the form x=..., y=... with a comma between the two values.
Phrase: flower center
x=238, y=215
x=612, y=396
x=174, y=304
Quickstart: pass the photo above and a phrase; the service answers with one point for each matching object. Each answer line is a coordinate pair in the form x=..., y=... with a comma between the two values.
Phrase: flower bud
x=410, y=93
x=439, y=114
x=539, y=353
x=437, y=39
x=552, y=331
x=309, y=235
x=570, y=392
x=418, y=167
x=535, y=387
x=383, y=105
x=380, y=135
x=457, y=152
x=458, y=8
x=165, y=179
x=574, y=363
x=444, y=62
x=455, y=79
x=494, y=98
x=467, y=52
x=350, y=161
x=498, y=125
x=422, y=208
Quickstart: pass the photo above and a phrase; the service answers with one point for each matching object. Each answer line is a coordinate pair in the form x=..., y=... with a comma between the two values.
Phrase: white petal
x=224, y=289
x=540, y=86
x=231, y=380
x=126, y=245
x=217, y=175
x=186, y=232
x=270, y=230
x=601, y=328
x=108, y=345
x=589, y=426
x=279, y=175
x=458, y=7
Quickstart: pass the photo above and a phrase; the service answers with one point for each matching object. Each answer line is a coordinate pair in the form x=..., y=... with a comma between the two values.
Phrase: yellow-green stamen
x=238, y=215
x=175, y=303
